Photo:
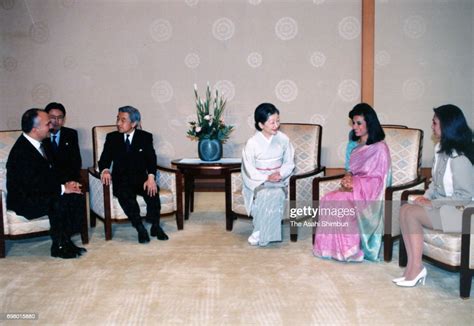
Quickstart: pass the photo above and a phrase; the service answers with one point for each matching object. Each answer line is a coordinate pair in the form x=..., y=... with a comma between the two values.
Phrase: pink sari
x=350, y=224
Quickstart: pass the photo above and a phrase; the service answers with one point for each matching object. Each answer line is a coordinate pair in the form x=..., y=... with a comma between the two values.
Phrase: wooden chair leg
x=93, y=219
x=2, y=247
x=293, y=232
x=191, y=208
x=85, y=228
x=179, y=219
x=402, y=254
x=229, y=218
x=465, y=280
x=387, y=247
x=108, y=228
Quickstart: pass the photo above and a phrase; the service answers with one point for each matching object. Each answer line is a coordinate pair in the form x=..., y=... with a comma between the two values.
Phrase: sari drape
x=350, y=224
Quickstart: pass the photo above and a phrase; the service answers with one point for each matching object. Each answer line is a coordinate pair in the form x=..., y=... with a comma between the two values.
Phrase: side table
x=193, y=168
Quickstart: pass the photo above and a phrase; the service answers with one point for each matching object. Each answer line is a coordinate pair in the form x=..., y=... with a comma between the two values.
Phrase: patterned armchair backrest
x=98, y=140
x=7, y=140
x=306, y=139
x=406, y=145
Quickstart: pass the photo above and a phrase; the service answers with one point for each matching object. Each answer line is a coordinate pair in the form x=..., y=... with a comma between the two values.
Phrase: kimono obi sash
x=268, y=166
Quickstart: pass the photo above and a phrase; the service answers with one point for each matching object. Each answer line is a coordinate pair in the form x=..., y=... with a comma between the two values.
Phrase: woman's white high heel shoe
x=398, y=279
x=420, y=277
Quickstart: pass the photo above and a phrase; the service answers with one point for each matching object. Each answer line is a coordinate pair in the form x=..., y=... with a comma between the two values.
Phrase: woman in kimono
x=350, y=224
x=267, y=163
x=451, y=188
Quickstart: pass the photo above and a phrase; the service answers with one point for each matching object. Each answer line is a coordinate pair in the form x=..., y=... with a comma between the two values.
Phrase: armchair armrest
x=3, y=219
x=328, y=181
x=308, y=174
x=405, y=186
x=100, y=195
x=92, y=171
x=168, y=178
x=408, y=193
x=304, y=189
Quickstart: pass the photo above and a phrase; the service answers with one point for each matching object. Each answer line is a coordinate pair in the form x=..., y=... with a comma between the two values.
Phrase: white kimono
x=265, y=201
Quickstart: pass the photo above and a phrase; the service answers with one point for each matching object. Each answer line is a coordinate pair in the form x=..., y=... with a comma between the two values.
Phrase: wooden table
x=193, y=168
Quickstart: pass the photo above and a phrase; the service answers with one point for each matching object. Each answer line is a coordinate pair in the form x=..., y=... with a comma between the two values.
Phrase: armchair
x=105, y=206
x=13, y=226
x=450, y=251
x=405, y=146
x=306, y=139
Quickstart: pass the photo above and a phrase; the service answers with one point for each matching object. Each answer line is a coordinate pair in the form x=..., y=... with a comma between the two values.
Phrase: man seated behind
x=34, y=188
x=63, y=144
x=134, y=169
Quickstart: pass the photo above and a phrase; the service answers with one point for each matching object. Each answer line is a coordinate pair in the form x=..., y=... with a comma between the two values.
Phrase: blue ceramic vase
x=210, y=149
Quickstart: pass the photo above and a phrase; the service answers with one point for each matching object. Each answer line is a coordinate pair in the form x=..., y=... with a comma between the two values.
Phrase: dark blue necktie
x=54, y=144
x=128, y=146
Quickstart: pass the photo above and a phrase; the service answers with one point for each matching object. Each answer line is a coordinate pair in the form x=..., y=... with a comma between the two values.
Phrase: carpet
x=205, y=275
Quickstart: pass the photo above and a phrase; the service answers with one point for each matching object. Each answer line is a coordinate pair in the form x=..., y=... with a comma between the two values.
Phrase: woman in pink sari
x=350, y=224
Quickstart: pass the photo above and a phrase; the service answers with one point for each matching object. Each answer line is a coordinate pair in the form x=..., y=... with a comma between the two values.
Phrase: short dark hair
x=133, y=113
x=29, y=120
x=455, y=132
x=374, y=128
x=57, y=106
x=263, y=112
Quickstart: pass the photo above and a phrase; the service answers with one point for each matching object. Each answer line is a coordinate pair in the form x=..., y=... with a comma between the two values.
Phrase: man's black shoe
x=76, y=249
x=157, y=231
x=142, y=234
x=62, y=250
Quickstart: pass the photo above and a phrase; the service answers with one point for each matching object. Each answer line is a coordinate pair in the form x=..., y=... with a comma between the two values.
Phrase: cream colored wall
x=301, y=55
x=424, y=59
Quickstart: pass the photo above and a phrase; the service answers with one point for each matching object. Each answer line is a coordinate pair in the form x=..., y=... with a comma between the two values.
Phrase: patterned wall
x=301, y=55
x=423, y=59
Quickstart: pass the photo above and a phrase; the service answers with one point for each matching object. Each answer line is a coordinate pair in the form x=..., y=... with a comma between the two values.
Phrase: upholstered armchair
x=105, y=206
x=13, y=226
x=306, y=139
x=451, y=251
x=405, y=146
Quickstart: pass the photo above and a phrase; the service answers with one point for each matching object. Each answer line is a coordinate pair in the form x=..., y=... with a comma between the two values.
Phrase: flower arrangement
x=209, y=126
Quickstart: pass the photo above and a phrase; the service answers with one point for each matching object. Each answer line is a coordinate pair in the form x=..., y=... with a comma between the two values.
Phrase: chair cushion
x=18, y=224
x=445, y=247
x=442, y=255
x=166, y=199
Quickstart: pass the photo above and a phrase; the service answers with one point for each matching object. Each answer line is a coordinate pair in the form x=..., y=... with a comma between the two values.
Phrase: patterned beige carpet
x=205, y=275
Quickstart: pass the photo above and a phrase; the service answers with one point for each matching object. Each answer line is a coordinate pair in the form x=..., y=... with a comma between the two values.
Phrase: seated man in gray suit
x=134, y=169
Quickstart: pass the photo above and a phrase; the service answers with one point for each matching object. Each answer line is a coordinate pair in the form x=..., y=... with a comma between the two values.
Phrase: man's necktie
x=54, y=144
x=128, y=146
x=43, y=152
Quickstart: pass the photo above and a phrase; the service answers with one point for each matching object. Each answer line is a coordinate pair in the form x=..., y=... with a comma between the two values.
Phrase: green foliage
x=209, y=126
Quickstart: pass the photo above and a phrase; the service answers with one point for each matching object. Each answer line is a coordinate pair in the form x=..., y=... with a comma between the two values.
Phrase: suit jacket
x=32, y=182
x=129, y=168
x=67, y=160
x=462, y=173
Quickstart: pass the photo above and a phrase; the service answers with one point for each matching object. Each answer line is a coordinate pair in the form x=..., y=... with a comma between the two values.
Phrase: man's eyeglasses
x=57, y=118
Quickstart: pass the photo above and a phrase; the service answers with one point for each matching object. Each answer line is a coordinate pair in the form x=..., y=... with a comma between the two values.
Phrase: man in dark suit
x=34, y=188
x=134, y=170
x=63, y=144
